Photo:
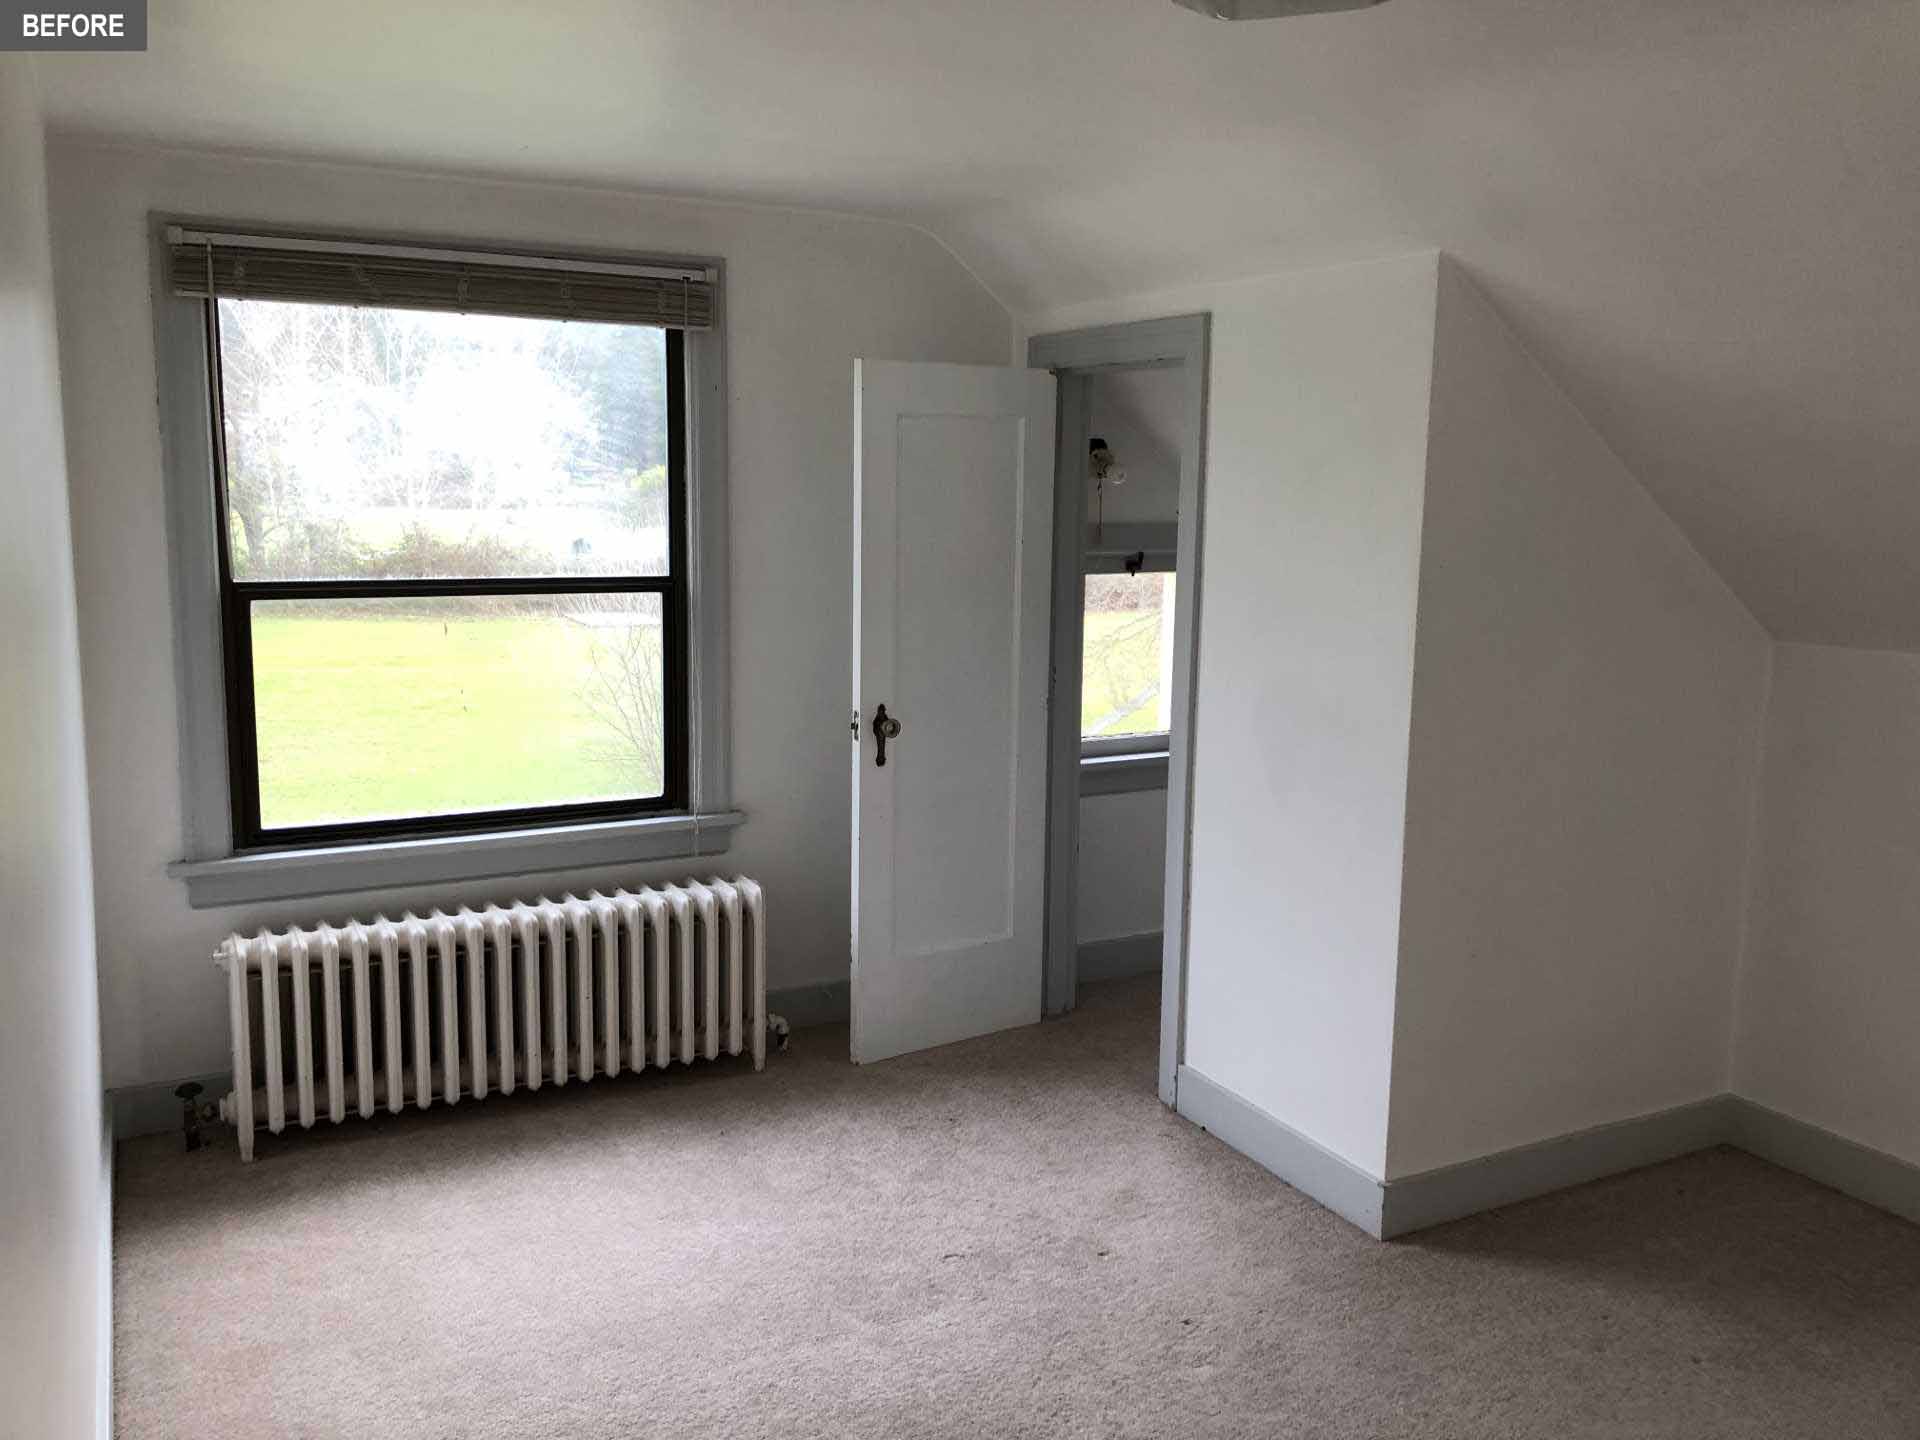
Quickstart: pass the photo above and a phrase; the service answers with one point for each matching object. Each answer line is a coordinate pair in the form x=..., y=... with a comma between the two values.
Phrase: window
x=1126, y=679
x=456, y=534
x=450, y=574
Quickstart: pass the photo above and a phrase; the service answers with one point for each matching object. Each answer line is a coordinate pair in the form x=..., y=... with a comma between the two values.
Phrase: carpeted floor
x=1006, y=1237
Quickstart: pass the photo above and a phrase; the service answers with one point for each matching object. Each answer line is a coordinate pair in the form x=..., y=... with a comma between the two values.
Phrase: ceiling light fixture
x=1271, y=9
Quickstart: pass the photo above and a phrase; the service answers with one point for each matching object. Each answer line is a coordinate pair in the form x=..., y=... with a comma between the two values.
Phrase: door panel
x=954, y=514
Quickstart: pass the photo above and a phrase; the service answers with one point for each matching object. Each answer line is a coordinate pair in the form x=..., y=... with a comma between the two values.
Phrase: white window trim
x=1123, y=774
x=1104, y=746
x=212, y=871
x=1120, y=764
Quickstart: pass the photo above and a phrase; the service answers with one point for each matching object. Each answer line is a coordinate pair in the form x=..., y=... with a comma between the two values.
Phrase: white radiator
x=468, y=1003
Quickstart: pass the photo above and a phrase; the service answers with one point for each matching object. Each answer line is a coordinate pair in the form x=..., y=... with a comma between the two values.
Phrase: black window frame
x=237, y=598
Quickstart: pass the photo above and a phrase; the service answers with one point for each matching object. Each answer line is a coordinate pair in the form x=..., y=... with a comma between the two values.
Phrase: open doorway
x=1129, y=613
x=1127, y=510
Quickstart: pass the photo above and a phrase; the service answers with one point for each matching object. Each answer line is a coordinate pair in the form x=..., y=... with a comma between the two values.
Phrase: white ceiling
x=1702, y=215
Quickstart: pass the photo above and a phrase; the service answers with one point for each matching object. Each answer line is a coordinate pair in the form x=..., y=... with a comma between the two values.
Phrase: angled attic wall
x=1586, y=709
x=1477, y=738
x=54, y=1174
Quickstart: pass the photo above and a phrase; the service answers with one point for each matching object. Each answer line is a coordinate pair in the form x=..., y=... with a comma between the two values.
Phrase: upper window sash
x=361, y=444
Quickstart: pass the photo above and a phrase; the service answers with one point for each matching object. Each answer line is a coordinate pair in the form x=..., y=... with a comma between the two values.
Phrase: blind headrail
x=180, y=235
x=207, y=264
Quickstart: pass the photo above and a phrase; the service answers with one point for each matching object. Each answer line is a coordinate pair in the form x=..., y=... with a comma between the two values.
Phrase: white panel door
x=953, y=513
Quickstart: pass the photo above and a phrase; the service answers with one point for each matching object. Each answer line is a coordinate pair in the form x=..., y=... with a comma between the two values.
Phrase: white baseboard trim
x=1382, y=1209
x=1388, y=1209
x=1880, y=1179
x=1117, y=958
x=830, y=1002
x=1433, y=1197
x=1307, y=1166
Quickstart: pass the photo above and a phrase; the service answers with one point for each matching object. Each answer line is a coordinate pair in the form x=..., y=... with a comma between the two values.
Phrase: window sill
x=1122, y=774
x=386, y=864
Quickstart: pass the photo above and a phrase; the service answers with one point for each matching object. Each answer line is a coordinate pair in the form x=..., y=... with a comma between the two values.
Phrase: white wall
x=1498, y=894
x=1123, y=874
x=1829, y=1014
x=807, y=293
x=1585, y=743
x=54, y=1205
x=1316, y=439
x=1138, y=414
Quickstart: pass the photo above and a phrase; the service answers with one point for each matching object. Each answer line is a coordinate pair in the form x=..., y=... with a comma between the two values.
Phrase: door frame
x=1074, y=356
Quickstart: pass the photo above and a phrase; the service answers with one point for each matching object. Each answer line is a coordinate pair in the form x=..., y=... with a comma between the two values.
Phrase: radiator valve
x=778, y=1028
x=188, y=1094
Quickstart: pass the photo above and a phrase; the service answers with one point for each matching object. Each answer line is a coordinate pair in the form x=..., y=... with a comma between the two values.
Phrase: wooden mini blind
x=332, y=272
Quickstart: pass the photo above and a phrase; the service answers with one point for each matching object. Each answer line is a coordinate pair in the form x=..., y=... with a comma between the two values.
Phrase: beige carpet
x=1007, y=1237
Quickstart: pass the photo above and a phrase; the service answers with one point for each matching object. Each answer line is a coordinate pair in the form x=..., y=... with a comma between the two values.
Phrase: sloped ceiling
x=1703, y=216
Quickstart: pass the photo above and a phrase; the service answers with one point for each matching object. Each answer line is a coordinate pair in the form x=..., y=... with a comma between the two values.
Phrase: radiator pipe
x=188, y=1094
x=776, y=1027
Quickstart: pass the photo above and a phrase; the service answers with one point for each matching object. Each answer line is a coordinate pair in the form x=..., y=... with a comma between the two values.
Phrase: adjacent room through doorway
x=1126, y=604
x=1129, y=618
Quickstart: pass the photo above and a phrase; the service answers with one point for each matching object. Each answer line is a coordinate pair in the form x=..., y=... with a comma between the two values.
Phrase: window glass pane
x=390, y=708
x=1126, y=679
x=416, y=444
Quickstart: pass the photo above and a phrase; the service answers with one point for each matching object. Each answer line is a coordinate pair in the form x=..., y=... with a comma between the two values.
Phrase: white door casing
x=953, y=514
